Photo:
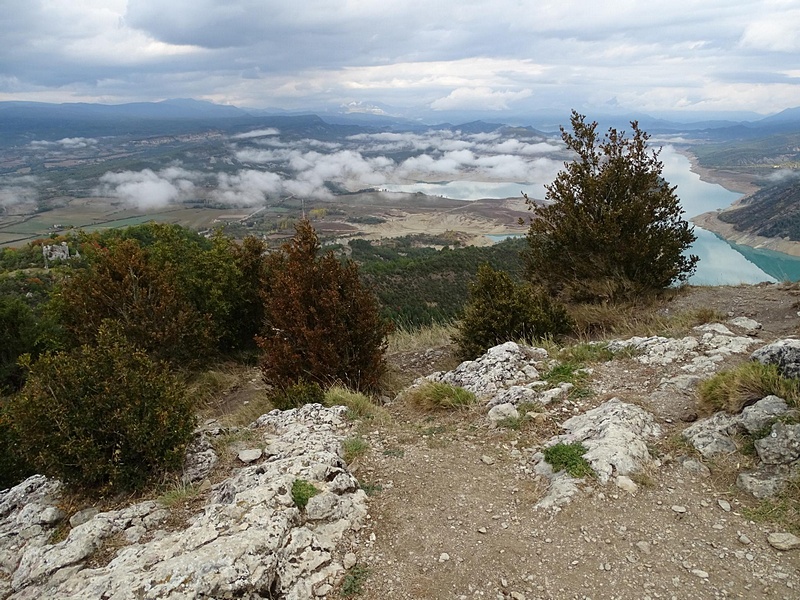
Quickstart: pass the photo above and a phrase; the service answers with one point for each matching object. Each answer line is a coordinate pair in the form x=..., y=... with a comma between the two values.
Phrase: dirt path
x=452, y=505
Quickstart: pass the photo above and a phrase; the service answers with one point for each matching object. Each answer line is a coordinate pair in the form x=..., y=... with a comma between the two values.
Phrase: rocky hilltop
x=466, y=503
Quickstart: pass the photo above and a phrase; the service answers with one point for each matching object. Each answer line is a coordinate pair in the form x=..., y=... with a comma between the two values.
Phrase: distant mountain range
x=24, y=121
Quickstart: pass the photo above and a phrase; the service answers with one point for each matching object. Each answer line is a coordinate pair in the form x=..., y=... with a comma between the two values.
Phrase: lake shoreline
x=738, y=183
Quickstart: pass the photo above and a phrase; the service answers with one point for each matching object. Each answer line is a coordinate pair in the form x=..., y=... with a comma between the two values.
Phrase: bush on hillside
x=612, y=227
x=499, y=311
x=103, y=416
x=321, y=324
x=152, y=310
x=13, y=467
x=18, y=335
x=298, y=394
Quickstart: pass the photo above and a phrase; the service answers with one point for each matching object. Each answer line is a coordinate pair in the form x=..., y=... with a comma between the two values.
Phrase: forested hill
x=418, y=285
x=771, y=212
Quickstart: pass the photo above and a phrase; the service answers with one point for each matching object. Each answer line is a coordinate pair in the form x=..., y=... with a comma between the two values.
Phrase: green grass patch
x=783, y=509
x=370, y=489
x=302, y=492
x=734, y=389
x=435, y=395
x=394, y=452
x=513, y=423
x=569, y=458
x=353, y=448
x=354, y=580
x=180, y=492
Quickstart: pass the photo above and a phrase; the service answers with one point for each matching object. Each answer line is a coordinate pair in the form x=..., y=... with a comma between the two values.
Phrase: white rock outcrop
x=248, y=541
x=615, y=436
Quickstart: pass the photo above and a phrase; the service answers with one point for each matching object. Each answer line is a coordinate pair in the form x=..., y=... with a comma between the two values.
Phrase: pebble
x=487, y=460
x=724, y=505
x=444, y=557
x=679, y=509
x=744, y=539
x=699, y=573
x=626, y=484
x=644, y=547
x=350, y=560
x=482, y=530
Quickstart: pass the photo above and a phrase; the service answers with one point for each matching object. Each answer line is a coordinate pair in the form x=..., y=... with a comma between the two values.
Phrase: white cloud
x=478, y=98
x=256, y=133
x=16, y=190
x=147, y=189
x=247, y=188
x=776, y=32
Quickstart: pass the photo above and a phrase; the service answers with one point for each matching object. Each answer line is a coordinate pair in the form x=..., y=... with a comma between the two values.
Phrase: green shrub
x=321, y=323
x=612, y=227
x=499, y=310
x=104, y=416
x=569, y=458
x=353, y=582
x=125, y=285
x=734, y=389
x=434, y=395
x=18, y=335
x=13, y=467
x=302, y=492
x=298, y=394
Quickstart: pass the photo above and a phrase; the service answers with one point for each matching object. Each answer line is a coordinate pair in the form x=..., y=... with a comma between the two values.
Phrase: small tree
x=612, y=225
x=500, y=310
x=321, y=324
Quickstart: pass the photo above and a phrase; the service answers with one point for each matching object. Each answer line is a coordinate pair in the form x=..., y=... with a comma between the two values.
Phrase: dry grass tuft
x=359, y=406
x=405, y=339
x=734, y=389
x=434, y=395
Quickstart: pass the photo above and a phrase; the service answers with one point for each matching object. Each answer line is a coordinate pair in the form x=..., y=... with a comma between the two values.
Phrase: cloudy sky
x=498, y=56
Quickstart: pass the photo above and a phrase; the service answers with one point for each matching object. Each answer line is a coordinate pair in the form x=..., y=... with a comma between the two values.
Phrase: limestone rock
x=763, y=483
x=749, y=326
x=500, y=368
x=781, y=446
x=783, y=353
x=250, y=455
x=83, y=516
x=712, y=436
x=248, y=541
x=700, y=353
x=754, y=418
x=503, y=411
x=200, y=459
x=516, y=394
x=614, y=434
x=783, y=541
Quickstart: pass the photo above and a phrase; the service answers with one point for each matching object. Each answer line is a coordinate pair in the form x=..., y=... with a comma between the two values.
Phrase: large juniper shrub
x=500, y=310
x=612, y=228
x=103, y=416
x=321, y=324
